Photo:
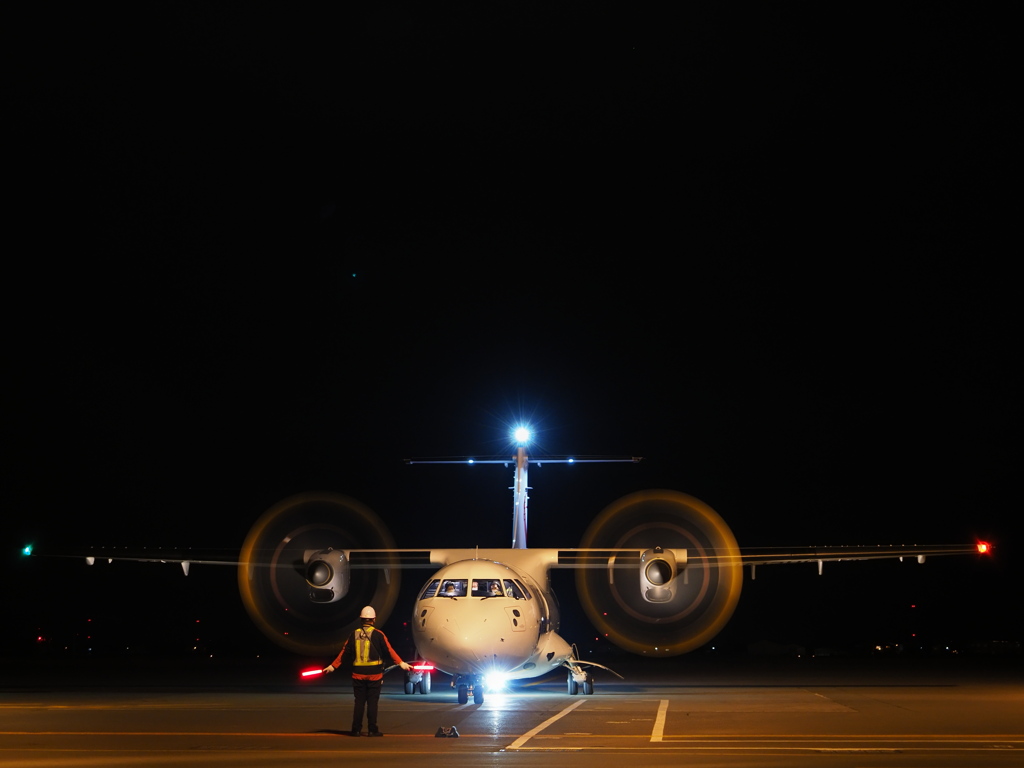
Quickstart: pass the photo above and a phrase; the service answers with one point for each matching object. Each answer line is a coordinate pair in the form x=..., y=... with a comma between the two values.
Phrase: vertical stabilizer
x=520, y=493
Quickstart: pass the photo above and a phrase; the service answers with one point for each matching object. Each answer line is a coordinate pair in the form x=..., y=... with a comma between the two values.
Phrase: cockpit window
x=513, y=590
x=430, y=590
x=523, y=589
x=491, y=588
x=476, y=588
x=453, y=588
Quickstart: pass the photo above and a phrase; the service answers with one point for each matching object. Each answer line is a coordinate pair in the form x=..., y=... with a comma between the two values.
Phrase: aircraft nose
x=482, y=646
x=489, y=647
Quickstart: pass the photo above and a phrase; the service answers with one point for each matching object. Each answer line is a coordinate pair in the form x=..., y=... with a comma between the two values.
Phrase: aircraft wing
x=183, y=557
x=555, y=558
x=625, y=558
x=820, y=555
x=531, y=558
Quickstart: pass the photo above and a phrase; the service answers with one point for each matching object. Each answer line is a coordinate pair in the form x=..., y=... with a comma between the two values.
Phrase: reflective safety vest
x=367, y=654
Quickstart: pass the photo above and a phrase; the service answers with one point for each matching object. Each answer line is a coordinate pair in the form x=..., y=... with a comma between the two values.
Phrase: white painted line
x=530, y=734
x=659, y=721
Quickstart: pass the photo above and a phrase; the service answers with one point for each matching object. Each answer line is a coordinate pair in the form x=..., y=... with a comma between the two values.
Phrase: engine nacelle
x=296, y=580
x=327, y=574
x=688, y=581
x=658, y=569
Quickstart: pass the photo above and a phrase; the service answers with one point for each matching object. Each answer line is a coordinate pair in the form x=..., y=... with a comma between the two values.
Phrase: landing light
x=495, y=681
x=521, y=435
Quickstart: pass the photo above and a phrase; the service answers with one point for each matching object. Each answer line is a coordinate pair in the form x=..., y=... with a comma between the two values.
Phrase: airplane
x=658, y=572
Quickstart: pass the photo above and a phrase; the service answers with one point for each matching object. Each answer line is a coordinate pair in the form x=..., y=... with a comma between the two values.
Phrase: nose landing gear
x=466, y=683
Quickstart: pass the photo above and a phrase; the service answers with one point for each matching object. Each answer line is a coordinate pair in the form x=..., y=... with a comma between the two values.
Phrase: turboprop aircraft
x=658, y=573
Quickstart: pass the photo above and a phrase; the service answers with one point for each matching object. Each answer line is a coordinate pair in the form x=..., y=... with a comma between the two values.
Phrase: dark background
x=255, y=251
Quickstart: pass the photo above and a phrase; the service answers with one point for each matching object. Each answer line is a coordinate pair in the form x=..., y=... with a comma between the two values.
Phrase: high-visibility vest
x=366, y=654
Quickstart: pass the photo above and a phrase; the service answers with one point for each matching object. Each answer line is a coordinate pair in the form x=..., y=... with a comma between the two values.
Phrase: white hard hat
x=368, y=613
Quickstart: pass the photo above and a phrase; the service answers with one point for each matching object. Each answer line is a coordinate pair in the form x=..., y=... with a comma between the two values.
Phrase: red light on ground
x=983, y=548
x=311, y=672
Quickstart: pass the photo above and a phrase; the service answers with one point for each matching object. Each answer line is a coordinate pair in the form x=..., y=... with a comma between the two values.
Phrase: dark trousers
x=367, y=695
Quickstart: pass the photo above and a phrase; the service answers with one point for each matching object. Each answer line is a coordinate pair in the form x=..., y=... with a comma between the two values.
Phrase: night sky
x=256, y=251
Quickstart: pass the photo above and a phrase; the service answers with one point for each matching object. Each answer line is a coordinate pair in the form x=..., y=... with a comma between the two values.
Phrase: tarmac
x=698, y=711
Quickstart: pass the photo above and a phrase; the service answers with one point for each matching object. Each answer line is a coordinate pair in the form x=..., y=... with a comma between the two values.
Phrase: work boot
x=374, y=733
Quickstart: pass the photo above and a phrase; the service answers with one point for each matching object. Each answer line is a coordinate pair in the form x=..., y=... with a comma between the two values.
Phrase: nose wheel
x=466, y=684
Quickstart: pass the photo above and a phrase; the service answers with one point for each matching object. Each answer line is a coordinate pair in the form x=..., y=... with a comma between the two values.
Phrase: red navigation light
x=984, y=548
x=311, y=672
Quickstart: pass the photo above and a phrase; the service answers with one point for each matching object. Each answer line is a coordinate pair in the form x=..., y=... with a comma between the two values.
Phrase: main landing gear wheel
x=422, y=685
x=576, y=685
x=704, y=594
x=272, y=579
x=463, y=694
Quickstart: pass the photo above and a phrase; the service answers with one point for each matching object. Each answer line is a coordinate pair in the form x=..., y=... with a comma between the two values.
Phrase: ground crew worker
x=365, y=649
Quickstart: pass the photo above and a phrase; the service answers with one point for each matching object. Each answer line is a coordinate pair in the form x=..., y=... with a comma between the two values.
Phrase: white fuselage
x=477, y=616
